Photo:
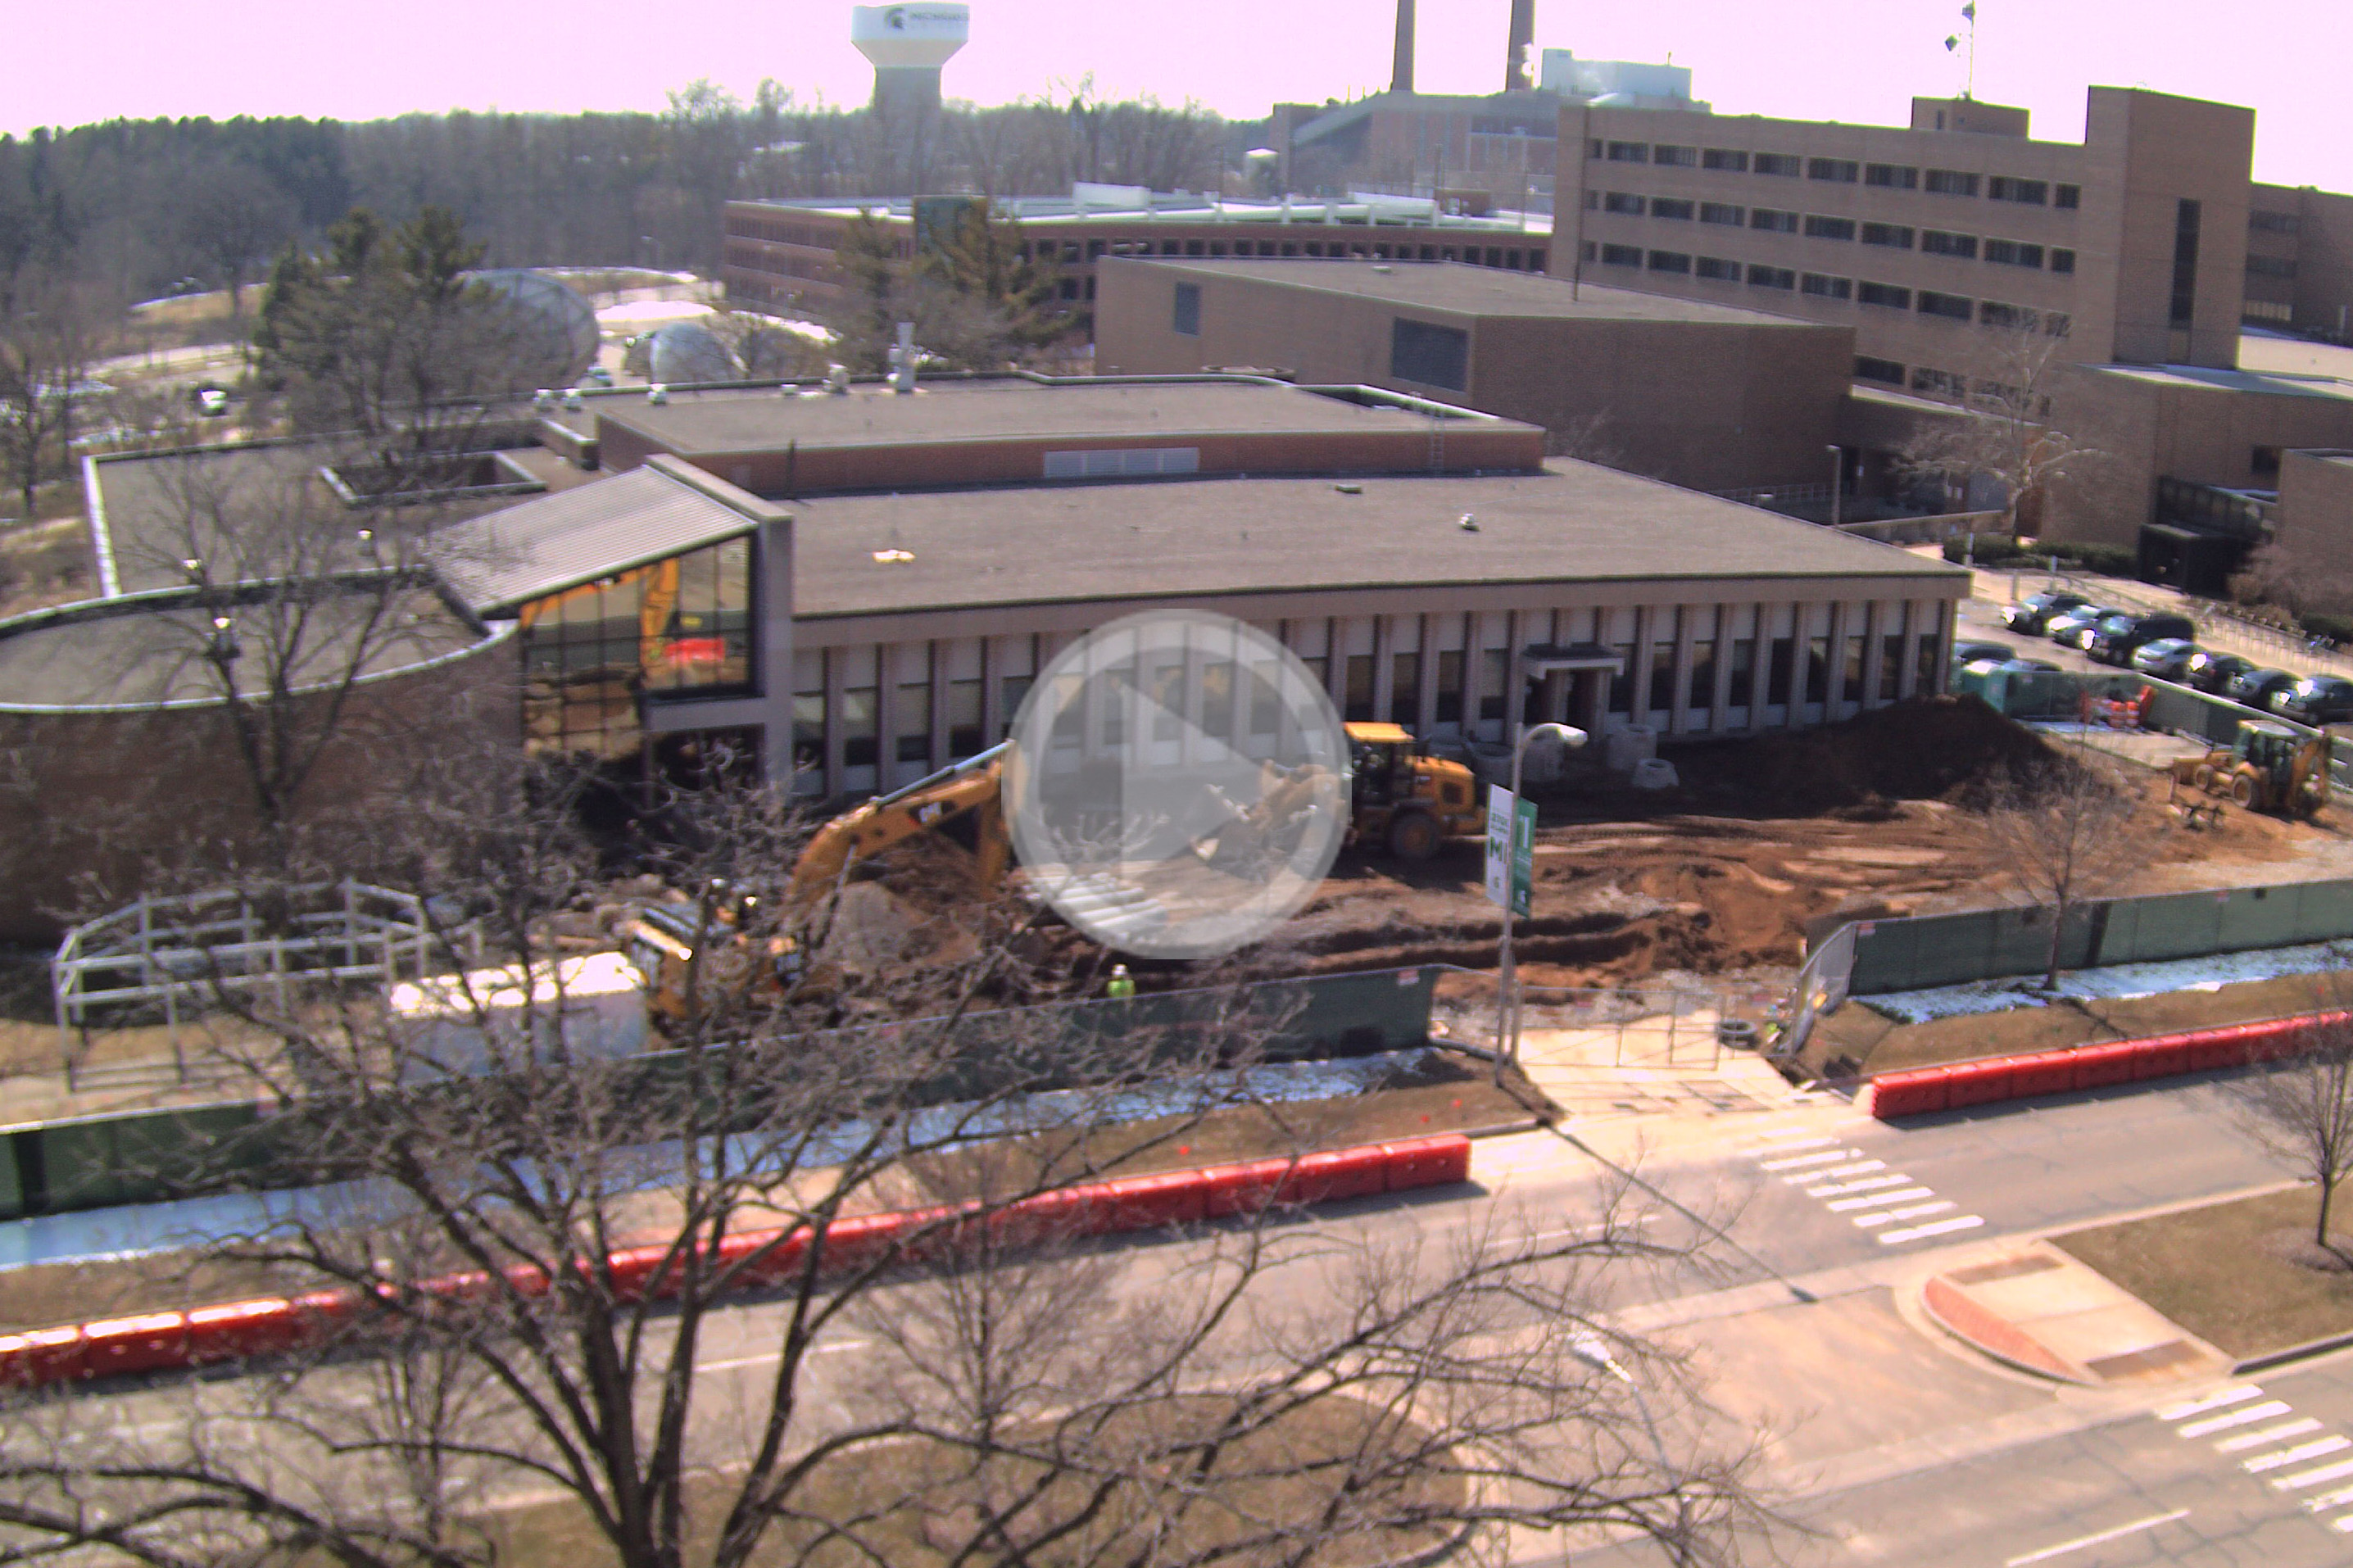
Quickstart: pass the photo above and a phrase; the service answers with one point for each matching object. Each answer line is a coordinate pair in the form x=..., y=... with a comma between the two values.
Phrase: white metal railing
x=179, y=953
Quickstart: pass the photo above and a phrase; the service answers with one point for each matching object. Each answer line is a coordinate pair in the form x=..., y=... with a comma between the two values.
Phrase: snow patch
x=2116, y=983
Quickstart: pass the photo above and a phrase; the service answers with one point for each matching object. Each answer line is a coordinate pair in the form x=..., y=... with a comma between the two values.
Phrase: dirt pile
x=1935, y=747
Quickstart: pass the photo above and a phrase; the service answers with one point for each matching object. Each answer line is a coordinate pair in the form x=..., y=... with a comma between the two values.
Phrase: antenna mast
x=1968, y=13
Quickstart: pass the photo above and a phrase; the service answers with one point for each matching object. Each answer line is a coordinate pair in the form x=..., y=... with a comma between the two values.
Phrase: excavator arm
x=972, y=786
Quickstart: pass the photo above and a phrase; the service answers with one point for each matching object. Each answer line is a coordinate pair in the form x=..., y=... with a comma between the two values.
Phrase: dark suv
x=2315, y=700
x=2030, y=614
x=2113, y=640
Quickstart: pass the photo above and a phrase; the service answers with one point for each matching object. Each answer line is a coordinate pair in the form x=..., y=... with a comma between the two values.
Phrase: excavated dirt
x=1720, y=876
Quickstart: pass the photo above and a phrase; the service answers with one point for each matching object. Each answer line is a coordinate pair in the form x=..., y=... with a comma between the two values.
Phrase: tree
x=975, y=304
x=2005, y=431
x=51, y=334
x=2066, y=829
x=546, y=1262
x=235, y=218
x=2301, y=1110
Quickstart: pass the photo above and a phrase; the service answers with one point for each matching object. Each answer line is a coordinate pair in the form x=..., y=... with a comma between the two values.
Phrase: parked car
x=212, y=402
x=1973, y=652
x=2029, y=613
x=2113, y=640
x=2214, y=671
x=2024, y=666
x=597, y=376
x=2255, y=689
x=2315, y=700
x=2062, y=628
x=2168, y=658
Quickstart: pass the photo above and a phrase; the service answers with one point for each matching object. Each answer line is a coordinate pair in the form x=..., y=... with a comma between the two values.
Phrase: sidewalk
x=2042, y=1312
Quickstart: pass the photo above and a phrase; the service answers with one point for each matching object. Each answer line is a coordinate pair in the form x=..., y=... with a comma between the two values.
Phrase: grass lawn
x=917, y=1498
x=2221, y=1272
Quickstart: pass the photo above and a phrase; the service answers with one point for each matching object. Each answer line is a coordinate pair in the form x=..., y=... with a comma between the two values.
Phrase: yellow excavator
x=1402, y=798
x=2267, y=767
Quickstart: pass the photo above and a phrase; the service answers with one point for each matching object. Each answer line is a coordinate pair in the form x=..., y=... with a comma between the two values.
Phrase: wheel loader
x=1403, y=798
x=2267, y=767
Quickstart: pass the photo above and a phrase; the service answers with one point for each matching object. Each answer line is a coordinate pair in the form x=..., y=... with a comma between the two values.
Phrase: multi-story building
x=1938, y=240
x=2300, y=261
x=780, y=254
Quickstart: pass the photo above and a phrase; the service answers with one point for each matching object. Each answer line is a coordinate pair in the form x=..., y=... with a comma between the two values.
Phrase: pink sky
x=1842, y=59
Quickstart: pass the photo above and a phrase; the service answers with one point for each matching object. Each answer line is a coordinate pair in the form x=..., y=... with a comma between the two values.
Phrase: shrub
x=2000, y=550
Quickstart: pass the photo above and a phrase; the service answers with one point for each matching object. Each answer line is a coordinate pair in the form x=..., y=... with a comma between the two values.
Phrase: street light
x=1508, y=1032
x=1838, y=480
x=1594, y=1351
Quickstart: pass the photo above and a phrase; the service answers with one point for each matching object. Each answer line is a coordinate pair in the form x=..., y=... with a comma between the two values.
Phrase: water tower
x=908, y=45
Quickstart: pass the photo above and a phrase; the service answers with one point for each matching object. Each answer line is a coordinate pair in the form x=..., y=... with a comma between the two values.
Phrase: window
x=1431, y=355
x=1667, y=207
x=1950, y=183
x=1885, y=370
x=2019, y=317
x=1890, y=176
x=1669, y=261
x=1717, y=268
x=1827, y=287
x=858, y=727
x=1894, y=234
x=1404, y=690
x=1936, y=242
x=1701, y=693
x=1621, y=679
x=1938, y=381
x=2067, y=196
x=1495, y=665
x=1730, y=158
x=1829, y=227
x=1886, y=294
x=1953, y=306
x=1722, y=212
x=2270, y=267
x=1771, y=278
x=2265, y=461
x=1778, y=670
x=1842, y=170
x=1621, y=202
x=2267, y=311
x=1622, y=256
x=2012, y=253
x=2185, y=263
x=1743, y=671
x=1676, y=157
x=2271, y=223
x=913, y=721
x=2062, y=262
x=1356, y=695
x=963, y=718
x=1662, y=676
x=2002, y=188
x=1188, y=313
x=1594, y=149
x=1785, y=165
x=1630, y=151
x=1775, y=222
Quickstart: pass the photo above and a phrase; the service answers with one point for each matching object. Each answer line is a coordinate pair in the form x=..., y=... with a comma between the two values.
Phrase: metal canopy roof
x=546, y=545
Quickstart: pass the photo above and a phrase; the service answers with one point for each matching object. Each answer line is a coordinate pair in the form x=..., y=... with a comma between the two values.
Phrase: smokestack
x=1523, y=42
x=1401, y=72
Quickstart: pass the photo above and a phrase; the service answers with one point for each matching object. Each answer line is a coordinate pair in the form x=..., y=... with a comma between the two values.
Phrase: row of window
x=1887, y=296
x=1843, y=170
x=1945, y=384
x=1817, y=226
x=2262, y=222
x=1070, y=252
x=2270, y=267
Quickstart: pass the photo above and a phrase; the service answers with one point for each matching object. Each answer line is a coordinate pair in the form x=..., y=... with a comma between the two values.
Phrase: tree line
x=134, y=206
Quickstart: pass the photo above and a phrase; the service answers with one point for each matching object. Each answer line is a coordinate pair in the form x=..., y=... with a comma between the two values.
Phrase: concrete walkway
x=2039, y=1310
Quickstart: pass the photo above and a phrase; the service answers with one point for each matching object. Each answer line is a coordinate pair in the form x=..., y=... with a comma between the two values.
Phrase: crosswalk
x=2293, y=1454
x=1890, y=1204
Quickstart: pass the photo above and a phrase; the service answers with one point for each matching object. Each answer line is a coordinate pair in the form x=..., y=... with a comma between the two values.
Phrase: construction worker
x=1122, y=984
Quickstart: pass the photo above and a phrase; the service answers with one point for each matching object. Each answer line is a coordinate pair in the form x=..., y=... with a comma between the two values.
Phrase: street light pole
x=1594, y=1351
x=1838, y=480
x=1507, y=1018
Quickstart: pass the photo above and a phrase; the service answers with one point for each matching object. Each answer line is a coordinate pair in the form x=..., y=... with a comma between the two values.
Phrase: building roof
x=1002, y=408
x=2273, y=384
x=1572, y=522
x=557, y=542
x=1469, y=290
x=1130, y=205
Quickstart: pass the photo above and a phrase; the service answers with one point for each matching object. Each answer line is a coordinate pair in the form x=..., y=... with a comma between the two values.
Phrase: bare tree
x=2066, y=829
x=541, y=1253
x=53, y=330
x=2004, y=430
x=2301, y=1109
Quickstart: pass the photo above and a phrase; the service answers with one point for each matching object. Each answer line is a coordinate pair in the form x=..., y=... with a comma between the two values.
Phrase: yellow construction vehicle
x=1404, y=798
x=2267, y=767
x=964, y=800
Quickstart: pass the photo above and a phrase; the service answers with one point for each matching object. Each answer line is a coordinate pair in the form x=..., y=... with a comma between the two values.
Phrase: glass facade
x=594, y=654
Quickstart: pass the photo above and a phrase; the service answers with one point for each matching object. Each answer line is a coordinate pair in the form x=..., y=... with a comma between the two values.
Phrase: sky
x=1856, y=60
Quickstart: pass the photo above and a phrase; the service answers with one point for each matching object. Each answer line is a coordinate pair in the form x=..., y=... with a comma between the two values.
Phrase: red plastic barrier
x=1436, y=1161
x=1229, y=1191
x=2098, y=1067
x=241, y=1329
x=119, y=1347
x=2211, y=1050
x=860, y=1242
x=1146, y=1202
x=1979, y=1083
x=2166, y=1056
x=1914, y=1092
x=1338, y=1174
x=44, y=1356
x=2046, y=1072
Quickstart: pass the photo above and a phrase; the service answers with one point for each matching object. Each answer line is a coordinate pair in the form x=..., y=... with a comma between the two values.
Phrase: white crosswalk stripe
x=2238, y=1395
x=1797, y=1161
x=1934, y=1227
x=1867, y=1185
x=1879, y=1200
x=1849, y=1182
x=2298, y=1455
x=2246, y=1416
x=2303, y=1479
x=2279, y=1433
x=1859, y=1167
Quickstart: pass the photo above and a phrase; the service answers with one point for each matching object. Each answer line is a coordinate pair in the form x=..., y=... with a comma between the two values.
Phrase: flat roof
x=1478, y=290
x=1571, y=522
x=2271, y=383
x=1132, y=207
x=1006, y=408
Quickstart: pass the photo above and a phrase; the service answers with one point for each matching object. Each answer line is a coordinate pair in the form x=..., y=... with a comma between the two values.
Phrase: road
x=1887, y=1443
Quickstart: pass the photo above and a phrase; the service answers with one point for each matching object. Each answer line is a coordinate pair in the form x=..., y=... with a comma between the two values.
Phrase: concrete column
x=1515, y=674
x=1427, y=698
x=1835, y=694
x=1686, y=634
x=1720, y=700
x=1760, y=669
x=834, y=685
x=1646, y=623
x=939, y=655
x=771, y=569
x=1384, y=652
x=992, y=703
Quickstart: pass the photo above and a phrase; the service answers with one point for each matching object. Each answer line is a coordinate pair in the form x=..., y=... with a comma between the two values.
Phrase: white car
x=212, y=403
